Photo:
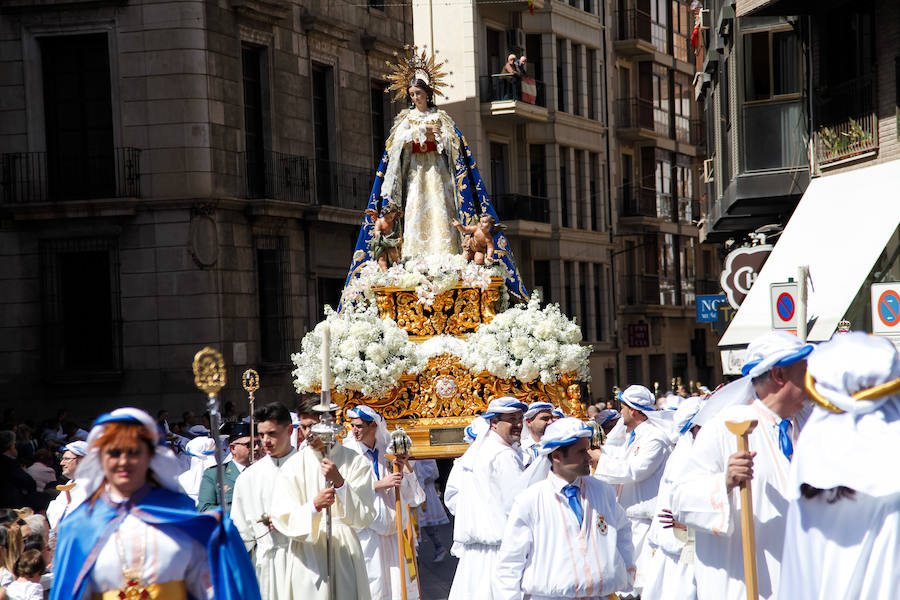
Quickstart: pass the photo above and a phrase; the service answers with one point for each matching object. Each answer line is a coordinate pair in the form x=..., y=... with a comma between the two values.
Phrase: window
x=684, y=187
x=658, y=373
x=272, y=289
x=597, y=198
x=561, y=62
x=255, y=82
x=82, y=322
x=78, y=116
x=499, y=170
x=495, y=58
x=661, y=93
x=581, y=199
x=569, y=274
x=329, y=291
x=683, y=93
x=687, y=274
x=323, y=131
x=599, y=302
x=771, y=65
x=381, y=112
x=542, y=279
x=659, y=20
x=564, y=186
x=668, y=271
x=682, y=24
x=577, y=79
x=583, y=299
x=663, y=183
x=537, y=167
x=592, y=84
x=680, y=368
x=633, y=369
x=724, y=175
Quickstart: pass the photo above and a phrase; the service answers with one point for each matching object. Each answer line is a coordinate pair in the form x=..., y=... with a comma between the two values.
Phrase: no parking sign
x=784, y=304
x=886, y=308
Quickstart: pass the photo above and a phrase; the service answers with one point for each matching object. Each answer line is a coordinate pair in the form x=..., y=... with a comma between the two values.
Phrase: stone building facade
x=179, y=174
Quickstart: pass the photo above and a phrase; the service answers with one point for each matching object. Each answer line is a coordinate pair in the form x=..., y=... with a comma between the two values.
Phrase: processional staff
x=742, y=430
x=210, y=377
x=326, y=431
x=401, y=445
x=250, y=381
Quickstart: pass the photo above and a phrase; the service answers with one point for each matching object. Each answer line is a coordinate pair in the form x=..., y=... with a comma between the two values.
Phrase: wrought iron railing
x=847, y=139
x=633, y=24
x=846, y=124
x=638, y=201
x=708, y=287
x=519, y=206
x=635, y=113
x=506, y=86
x=641, y=289
x=292, y=178
x=31, y=177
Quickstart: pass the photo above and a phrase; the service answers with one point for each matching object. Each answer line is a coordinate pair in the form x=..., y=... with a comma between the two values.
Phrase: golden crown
x=409, y=65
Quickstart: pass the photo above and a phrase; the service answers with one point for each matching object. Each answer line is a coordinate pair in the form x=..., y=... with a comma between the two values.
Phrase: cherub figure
x=387, y=238
x=478, y=245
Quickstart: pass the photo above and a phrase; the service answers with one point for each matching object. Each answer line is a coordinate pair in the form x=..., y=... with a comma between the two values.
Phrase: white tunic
x=670, y=570
x=846, y=550
x=432, y=511
x=167, y=554
x=58, y=508
x=635, y=472
x=486, y=494
x=700, y=500
x=253, y=495
x=530, y=448
x=294, y=515
x=547, y=554
x=379, y=540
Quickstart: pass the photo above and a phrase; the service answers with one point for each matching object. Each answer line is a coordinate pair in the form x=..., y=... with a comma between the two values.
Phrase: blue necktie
x=630, y=438
x=534, y=450
x=571, y=492
x=373, y=454
x=787, y=448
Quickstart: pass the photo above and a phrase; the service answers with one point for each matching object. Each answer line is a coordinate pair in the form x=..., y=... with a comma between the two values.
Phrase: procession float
x=434, y=319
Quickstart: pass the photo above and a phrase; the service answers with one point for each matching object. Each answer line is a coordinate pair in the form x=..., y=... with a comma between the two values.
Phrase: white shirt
x=547, y=553
x=25, y=590
x=700, y=500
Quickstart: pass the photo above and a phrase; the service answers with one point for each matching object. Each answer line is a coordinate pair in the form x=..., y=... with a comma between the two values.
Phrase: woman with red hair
x=133, y=533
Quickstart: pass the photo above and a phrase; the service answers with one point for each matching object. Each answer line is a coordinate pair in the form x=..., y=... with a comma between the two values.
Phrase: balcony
x=633, y=33
x=513, y=207
x=39, y=177
x=708, y=287
x=512, y=95
x=638, y=201
x=291, y=178
x=689, y=131
x=846, y=123
x=637, y=118
x=642, y=289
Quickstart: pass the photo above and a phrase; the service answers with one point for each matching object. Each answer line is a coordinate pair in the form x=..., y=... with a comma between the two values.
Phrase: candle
x=326, y=358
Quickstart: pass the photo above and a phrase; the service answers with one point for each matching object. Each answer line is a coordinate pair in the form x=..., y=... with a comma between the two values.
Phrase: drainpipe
x=609, y=213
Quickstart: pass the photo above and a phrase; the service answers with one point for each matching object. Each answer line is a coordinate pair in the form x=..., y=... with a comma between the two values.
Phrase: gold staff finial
x=250, y=381
x=209, y=371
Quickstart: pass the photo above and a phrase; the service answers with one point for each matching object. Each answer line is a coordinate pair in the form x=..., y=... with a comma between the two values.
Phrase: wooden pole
x=748, y=533
x=402, y=555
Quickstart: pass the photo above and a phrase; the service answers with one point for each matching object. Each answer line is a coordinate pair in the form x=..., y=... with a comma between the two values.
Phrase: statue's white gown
x=419, y=179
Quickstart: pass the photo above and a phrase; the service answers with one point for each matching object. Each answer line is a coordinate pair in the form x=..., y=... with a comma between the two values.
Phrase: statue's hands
x=331, y=473
x=324, y=499
x=454, y=223
x=431, y=131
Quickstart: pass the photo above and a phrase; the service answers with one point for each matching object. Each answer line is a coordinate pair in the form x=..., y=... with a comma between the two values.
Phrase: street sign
x=886, y=308
x=784, y=305
x=741, y=269
x=707, y=308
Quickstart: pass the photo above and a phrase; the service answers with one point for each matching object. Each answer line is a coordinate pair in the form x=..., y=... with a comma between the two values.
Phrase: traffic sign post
x=886, y=308
x=784, y=304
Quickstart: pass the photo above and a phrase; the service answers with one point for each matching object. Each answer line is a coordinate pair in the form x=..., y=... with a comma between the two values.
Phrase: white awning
x=840, y=227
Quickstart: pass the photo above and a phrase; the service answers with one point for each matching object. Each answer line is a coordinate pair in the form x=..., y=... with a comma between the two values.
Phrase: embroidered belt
x=429, y=146
x=170, y=590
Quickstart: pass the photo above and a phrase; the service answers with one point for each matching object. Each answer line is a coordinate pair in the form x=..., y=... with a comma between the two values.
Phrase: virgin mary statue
x=427, y=171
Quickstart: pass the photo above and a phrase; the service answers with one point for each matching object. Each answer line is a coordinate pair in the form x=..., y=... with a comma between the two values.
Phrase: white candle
x=326, y=357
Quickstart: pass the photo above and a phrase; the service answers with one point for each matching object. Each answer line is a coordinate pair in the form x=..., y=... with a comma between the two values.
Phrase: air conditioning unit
x=515, y=39
x=705, y=18
x=708, y=166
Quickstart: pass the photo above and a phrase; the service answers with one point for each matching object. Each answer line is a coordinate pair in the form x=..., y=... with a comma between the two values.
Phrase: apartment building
x=178, y=174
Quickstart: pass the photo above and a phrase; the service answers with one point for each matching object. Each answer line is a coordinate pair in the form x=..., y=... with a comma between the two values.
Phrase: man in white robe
x=843, y=525
x=73, y=452
x=670, y=570
x=706, y=496
x=566, y=536
x=491, y=470
x=307, y=486
x=379, y=540
x=252, y=503
x=636, y=469
x=537, y=417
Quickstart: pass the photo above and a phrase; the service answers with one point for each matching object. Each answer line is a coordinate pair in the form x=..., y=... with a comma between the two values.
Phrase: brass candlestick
x=210, y=377
x=250, y=382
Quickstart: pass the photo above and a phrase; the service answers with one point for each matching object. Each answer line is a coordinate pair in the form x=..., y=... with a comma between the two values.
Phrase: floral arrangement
x=429, y=275
x=529, y=342
x=368, y=354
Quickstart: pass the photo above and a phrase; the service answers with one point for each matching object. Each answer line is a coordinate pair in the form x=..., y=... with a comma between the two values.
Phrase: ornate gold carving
x=209, y=371
x=458, y=311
